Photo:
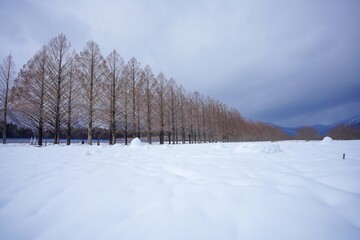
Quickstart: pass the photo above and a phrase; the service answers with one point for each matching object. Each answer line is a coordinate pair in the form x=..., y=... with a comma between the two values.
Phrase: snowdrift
x=136, y=142
x=326, y=140
x=260, y=147
x=282, y=191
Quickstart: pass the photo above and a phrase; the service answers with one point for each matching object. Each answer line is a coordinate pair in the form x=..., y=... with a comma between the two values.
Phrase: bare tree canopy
x=7, y=75
x=59, y=54
x=29, y=93
x=91, y=67
x=114, y=72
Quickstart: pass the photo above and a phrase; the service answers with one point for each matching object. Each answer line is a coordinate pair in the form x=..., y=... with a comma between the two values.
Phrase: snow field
x=281, y=190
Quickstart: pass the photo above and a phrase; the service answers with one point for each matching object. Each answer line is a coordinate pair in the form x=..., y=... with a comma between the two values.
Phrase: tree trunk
x=8, y=70
x=162, y=133
x=149, y=132
x=113, y=112
x=57, y=106
x=133, y=113
x=138, y=118
x=90, y=125
x=5, y=110
x=126, y=130
x=68, y=134
x=4, y=125
x=90, y=132
x=148, y=115
x=41, y=119
x=40, y=135
x=113, y=127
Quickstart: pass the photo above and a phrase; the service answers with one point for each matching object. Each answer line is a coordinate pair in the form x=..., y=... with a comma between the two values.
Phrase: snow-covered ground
x=285, y=190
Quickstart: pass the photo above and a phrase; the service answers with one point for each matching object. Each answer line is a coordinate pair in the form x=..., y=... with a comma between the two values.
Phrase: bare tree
x=58, y=68
x=196, y=98
x=115, y=65
x=139, y=108
x=174, y=107
x=191, y=117
x=7, y=75
x=125, y=105
x=161, y=104
x=132, y=75
x=217, y=121
x=148, y=83
x=72, y=98
x=181, y=94
x=28, y=94
x=91, y=64
x=204, y=121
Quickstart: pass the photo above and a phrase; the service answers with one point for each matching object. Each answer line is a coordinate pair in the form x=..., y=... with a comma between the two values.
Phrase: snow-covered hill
x=284, y=190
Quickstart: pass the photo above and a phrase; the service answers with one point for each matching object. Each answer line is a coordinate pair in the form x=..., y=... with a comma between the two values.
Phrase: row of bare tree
x=59, y=89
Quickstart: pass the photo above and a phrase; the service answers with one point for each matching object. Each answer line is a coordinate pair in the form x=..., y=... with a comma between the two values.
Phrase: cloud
x=275, y=61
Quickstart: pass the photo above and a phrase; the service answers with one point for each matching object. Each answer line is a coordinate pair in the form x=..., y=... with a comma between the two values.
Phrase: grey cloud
x=278, y=61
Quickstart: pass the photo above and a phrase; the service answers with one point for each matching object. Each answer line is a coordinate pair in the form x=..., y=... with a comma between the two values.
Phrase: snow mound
x=135, y=142
x=270, y=148
x=326, y=140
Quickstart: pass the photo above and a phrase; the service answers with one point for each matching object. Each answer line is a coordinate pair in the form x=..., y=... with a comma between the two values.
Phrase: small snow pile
x=136, y=142
x=260, y=147
x=326, y=140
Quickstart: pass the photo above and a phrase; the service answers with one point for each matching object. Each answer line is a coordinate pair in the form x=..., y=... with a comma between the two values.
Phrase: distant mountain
x=287, y=130
x=322, y=129
x=354, y=121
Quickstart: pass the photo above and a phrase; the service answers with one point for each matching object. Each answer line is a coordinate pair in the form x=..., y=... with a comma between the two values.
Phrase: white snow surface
x=283, y=190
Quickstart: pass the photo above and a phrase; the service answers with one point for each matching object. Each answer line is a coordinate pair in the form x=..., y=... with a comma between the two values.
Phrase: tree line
x=339, y=132
x=59, y=90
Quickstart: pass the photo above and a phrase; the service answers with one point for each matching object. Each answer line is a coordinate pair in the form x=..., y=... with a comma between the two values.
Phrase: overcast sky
x=289, y=62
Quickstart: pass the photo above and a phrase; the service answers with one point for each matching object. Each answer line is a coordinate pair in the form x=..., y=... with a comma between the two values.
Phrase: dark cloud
x=288, y=62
